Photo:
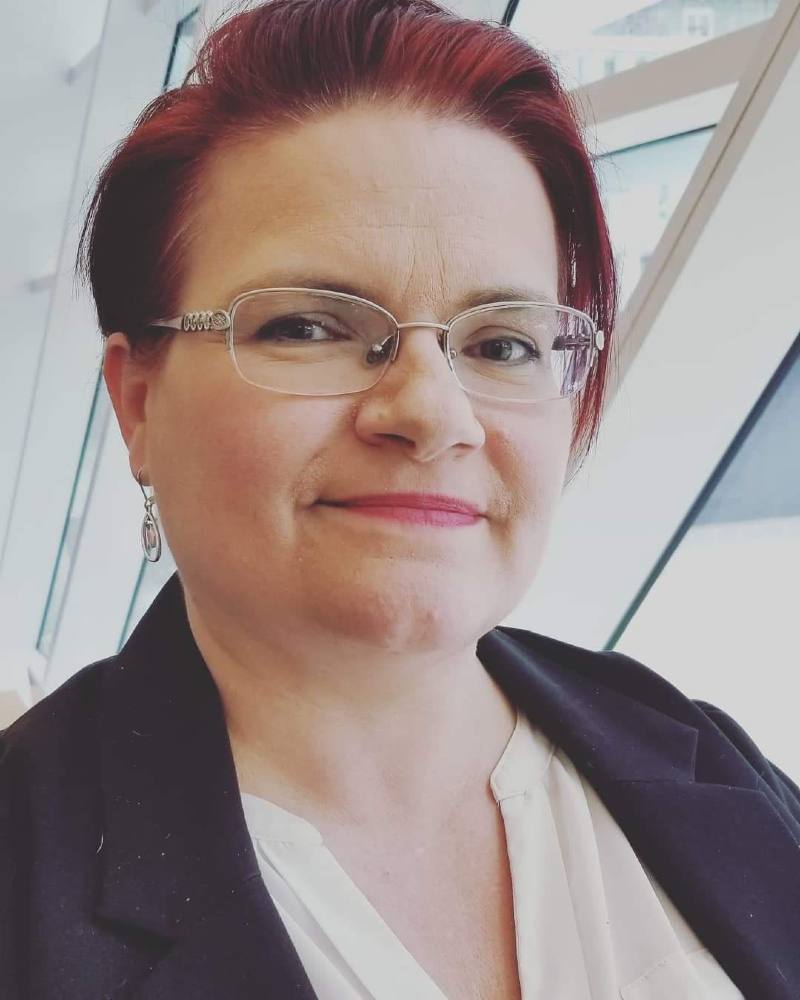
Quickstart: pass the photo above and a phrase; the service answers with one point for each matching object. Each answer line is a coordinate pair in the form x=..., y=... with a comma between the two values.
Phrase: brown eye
x=502, y=349
x=297, y=328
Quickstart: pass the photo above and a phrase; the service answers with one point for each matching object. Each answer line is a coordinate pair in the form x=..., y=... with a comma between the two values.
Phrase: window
x=647, y=31
x=640, y=188
x=698, y=22
x=740, y=546
x=182, y=55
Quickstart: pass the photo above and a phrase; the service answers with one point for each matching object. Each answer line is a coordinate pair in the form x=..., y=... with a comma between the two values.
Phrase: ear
x=128, y=380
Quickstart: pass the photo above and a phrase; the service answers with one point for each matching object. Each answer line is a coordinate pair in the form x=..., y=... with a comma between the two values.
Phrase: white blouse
x=591, y=922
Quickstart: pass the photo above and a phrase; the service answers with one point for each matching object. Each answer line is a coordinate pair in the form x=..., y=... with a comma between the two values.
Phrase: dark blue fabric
x=127, y=871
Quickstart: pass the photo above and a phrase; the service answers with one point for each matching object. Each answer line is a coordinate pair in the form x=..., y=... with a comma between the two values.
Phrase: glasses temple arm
x=173, y=324
x=206, y=319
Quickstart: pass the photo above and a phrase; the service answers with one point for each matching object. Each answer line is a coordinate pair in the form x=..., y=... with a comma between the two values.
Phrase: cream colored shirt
x=591, y=922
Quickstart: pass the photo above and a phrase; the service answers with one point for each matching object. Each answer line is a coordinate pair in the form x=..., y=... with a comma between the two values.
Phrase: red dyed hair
x=284, y=62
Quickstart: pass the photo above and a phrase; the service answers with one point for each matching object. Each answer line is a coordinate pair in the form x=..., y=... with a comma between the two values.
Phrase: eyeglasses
x=314, y=342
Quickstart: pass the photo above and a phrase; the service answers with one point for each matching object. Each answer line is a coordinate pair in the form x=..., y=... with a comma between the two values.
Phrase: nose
x=418, y=400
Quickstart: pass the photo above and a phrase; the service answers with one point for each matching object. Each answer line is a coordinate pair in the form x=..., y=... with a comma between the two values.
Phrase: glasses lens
x=523, y=352
x=309, y=343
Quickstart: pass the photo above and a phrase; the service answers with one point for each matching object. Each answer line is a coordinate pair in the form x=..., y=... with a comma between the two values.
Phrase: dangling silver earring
x=151, y=533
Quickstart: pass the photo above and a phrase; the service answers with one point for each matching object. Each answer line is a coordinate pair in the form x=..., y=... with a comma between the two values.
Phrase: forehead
x=412, y=207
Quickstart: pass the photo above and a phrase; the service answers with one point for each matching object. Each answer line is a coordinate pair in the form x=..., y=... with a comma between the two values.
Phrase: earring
x=151, y=533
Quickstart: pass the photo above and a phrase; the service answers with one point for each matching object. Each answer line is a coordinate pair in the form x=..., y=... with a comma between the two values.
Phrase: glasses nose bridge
x=442, y=335
x=433, y=326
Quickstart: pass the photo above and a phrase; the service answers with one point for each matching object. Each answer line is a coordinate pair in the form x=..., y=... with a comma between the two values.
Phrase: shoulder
x=784, y=786
x=55, y=730
x=49, y=814
x=604, y=671
x=49, y=782
x=727, y=730
x=601, y=672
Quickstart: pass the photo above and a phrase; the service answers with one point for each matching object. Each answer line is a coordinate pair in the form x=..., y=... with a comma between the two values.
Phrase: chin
x=396, y=620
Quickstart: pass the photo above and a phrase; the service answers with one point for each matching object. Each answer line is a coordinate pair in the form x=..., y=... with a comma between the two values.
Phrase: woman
x=355, y=266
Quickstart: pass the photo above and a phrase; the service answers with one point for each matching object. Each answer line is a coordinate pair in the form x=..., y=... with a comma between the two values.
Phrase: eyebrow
x=476, y=297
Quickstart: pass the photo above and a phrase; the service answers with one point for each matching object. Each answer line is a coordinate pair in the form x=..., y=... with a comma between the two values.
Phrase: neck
x=355, y=736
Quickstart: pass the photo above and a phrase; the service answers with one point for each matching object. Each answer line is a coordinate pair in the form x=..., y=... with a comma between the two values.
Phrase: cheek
x=231, y=448
x=530, y=450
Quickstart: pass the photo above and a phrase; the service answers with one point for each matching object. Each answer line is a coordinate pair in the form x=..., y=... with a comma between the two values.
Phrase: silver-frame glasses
x=222, y=321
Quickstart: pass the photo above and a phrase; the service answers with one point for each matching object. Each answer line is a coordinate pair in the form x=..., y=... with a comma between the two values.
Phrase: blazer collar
x=699, y=816
x=177, y=859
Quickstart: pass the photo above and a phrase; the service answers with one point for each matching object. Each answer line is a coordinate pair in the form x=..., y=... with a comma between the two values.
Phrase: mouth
x=434, y=517
x=410, y=501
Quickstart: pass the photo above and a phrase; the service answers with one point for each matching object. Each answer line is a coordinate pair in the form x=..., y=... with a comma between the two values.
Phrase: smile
x=426, y=516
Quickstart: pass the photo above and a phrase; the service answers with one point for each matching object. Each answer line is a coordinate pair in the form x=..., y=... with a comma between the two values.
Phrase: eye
x=502, y=349
x=300, y=328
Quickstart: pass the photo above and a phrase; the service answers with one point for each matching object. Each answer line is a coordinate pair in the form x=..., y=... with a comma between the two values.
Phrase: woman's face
x=418, y=213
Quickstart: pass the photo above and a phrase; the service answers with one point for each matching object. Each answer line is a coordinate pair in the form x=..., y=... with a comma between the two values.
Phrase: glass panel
x=588, y=41
x=76, y=512
x=722, y=600
x=640, y=188
x=480, y=10
x=183, y=53
x=180, y=60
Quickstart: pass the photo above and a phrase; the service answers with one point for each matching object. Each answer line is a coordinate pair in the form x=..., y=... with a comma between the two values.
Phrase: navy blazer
x=127, y=871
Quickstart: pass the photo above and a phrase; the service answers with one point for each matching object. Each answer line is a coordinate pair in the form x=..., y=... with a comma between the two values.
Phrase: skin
x=344, y=646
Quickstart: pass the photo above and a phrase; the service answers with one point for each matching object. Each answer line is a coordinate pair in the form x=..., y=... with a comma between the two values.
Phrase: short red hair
x=285, y=62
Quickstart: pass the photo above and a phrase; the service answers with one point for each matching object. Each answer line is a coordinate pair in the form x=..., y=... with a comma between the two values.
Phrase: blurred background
x=679, y=541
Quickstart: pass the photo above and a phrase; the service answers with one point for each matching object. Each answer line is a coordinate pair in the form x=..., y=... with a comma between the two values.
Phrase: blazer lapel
x=177, y=860
x=698, y=815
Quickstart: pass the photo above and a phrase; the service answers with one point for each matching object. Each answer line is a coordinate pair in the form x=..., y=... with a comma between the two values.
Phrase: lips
x=423, y=501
